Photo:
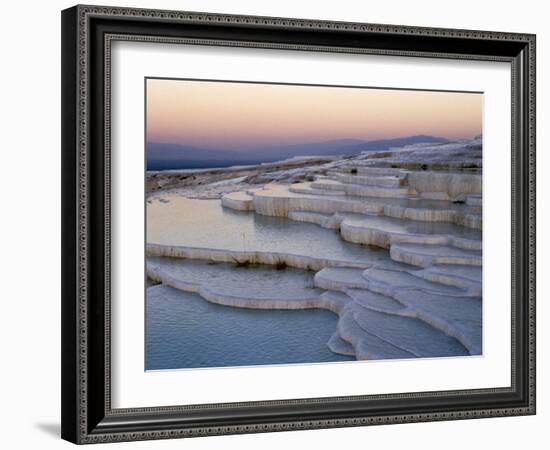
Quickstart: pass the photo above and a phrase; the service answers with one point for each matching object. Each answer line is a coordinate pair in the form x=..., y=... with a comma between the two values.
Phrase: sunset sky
x=225, y=115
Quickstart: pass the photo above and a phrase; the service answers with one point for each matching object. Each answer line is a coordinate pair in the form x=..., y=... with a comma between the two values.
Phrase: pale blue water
x=205, y=223
x=252, y=281
x=186, y=331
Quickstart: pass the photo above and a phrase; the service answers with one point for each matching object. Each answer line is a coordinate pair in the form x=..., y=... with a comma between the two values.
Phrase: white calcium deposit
x=421, y=203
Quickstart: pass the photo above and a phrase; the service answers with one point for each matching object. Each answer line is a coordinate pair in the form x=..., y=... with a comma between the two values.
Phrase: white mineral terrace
x=389, y=241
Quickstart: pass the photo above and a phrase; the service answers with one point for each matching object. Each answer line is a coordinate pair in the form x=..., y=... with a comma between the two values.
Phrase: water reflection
x=205, y=223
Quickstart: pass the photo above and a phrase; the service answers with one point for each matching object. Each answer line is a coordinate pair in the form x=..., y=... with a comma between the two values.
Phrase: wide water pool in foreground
x=186, y=331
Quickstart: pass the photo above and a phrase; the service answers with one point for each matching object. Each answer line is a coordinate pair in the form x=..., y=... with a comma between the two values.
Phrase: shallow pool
x=186, y=331
x=176, y=220
x=247, y=281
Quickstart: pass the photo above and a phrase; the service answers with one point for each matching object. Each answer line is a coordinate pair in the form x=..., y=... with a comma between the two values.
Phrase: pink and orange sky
x=245, y=115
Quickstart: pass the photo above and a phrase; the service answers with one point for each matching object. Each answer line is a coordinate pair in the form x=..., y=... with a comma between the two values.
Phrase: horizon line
x=358, y=140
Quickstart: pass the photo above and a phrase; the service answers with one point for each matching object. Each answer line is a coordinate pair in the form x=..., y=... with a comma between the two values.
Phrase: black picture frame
x=87, y=416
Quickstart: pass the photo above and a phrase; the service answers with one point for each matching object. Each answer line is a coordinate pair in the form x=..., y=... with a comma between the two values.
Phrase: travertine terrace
x=421, y=205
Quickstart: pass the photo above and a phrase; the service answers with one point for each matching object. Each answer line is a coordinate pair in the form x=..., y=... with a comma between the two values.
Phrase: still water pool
x=176, y=220
x=186, y=331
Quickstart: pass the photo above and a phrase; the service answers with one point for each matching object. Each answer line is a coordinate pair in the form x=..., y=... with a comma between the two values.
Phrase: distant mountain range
x=175, y=156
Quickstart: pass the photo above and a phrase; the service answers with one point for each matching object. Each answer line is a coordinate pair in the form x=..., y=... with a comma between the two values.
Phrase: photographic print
x=292, y=223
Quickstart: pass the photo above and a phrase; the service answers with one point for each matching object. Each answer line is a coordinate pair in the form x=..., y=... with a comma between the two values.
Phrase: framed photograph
x=278, y=224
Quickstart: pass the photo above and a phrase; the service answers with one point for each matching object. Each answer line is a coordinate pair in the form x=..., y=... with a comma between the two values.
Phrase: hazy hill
x=175, y=156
